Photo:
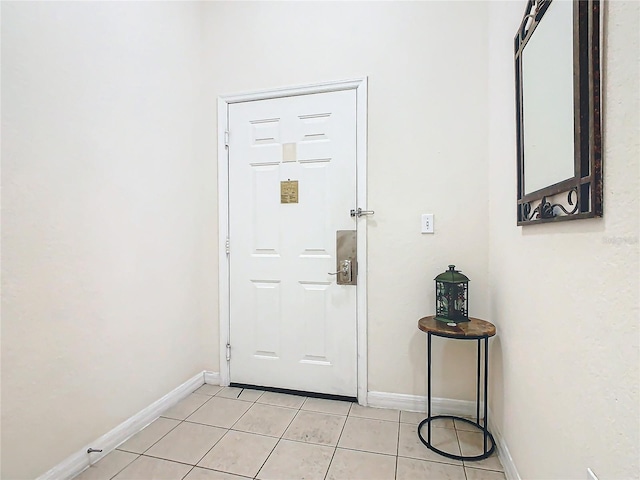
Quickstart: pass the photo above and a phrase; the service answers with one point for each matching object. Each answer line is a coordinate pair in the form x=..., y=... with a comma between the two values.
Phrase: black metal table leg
x=478, y=388
x=486, y=390
x=487, y=436
x=428, y=387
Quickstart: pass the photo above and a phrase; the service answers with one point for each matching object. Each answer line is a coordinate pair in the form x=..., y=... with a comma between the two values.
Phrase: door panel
x=291, y=325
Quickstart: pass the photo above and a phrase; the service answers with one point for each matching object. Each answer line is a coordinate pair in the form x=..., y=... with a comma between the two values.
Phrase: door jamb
x=360, y=86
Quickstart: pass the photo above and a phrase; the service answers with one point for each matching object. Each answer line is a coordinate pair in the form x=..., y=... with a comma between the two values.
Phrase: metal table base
x=487, y=437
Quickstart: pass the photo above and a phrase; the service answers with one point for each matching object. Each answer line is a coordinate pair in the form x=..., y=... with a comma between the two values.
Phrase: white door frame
x=360, y=86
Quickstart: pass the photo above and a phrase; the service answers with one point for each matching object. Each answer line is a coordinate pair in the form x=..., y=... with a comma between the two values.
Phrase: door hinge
x=227, y=246
x=228, y=352
x=226, y=138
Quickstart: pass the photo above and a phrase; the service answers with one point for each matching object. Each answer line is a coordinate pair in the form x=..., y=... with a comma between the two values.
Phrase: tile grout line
x=464, y=466
x=154, y=443
x=466, y=463
x=335, y=449
x=395, y=476
x=203, y=404
x=187, y=474
x=172, y=461
x=142, y=454
x=333, y=455
x=241, y=416
x=212, y=447
x=364, y=451
x=274, y=447
x=289, y=425
x=278, y=442
x=228, y=429
x=183, y=421
x=195, y=423
x=221, y=471
x=267, y=459
x=119, y=471
x=135, y=453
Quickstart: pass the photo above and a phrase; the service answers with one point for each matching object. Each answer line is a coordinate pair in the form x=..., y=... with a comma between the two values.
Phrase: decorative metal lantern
x=452, y=296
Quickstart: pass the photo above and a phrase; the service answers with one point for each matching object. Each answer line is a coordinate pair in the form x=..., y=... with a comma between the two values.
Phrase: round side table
x=474, y=329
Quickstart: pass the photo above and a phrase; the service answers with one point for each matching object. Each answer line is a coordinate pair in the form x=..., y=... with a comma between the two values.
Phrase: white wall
x=565, y=296
x=427, y=151
x=109, y=174
x=102, y=186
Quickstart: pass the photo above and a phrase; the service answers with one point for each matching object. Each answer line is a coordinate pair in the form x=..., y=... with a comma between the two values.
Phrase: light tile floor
x=232, y=434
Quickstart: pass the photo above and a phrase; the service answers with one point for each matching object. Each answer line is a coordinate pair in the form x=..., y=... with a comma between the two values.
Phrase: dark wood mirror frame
x=581, y=196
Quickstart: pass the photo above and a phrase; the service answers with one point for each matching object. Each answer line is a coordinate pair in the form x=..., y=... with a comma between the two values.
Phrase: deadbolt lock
x=346, y=258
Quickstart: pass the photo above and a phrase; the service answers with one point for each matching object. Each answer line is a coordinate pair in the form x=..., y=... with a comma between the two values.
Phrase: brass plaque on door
x=289, y=191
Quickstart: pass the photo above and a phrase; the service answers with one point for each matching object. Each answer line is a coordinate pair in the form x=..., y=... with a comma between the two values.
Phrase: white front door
x=292, y=184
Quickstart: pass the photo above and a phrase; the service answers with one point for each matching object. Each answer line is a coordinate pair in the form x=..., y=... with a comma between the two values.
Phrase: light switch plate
x=426, y=224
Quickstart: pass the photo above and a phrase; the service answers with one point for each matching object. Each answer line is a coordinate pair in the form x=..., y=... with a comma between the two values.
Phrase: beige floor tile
x=312, y=427
x=443, y=438
x=295, y=460
x=374, y=413
x=355, y=465
x=322, y=405
x=106, y=468
x=240, y=453
x=491, y=463
x=376, y=436
x=145, y=438
x=281, y=400
x=246, y=394
x=465, y=427
x=479, y=474
x=412, y=417
x=186, y=407
x=266, y=420
x=187, y=443
x=412, y=469
x=147, y=468
x=220, y=412
x=415, y=418
x=471, y=443
x=207, y=389
x=204, y=474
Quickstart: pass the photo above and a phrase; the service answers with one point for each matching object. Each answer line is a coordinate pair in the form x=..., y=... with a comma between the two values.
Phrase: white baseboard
x=81, y=460
x=418, y=403
x=212, y=378
x=446, y=406
x=510, y=470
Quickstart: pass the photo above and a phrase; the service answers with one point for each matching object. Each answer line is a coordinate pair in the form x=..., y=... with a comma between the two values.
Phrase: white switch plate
x=591, y=475
x=426, y=225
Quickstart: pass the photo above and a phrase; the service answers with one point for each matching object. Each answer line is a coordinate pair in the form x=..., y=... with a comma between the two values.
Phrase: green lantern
x=452, y=296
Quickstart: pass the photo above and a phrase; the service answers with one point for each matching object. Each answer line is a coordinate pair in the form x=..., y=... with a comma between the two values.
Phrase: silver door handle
x=359, y=212
x=345, y=269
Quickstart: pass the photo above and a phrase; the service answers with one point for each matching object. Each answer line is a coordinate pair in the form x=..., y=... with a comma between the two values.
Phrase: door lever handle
x=359, y=212
x=344, y=270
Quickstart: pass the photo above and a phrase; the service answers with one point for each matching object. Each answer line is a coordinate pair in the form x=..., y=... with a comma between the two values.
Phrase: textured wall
x=102, y=300
x=565, y=297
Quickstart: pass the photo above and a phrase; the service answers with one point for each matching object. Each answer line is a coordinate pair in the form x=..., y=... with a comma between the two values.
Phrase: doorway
x=291, y=168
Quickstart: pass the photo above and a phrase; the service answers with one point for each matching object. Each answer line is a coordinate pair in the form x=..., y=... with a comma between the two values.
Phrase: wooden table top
x=474, y=328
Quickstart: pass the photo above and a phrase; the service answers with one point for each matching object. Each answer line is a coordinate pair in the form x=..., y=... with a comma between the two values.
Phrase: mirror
x=557, y=56
x=547, y=95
